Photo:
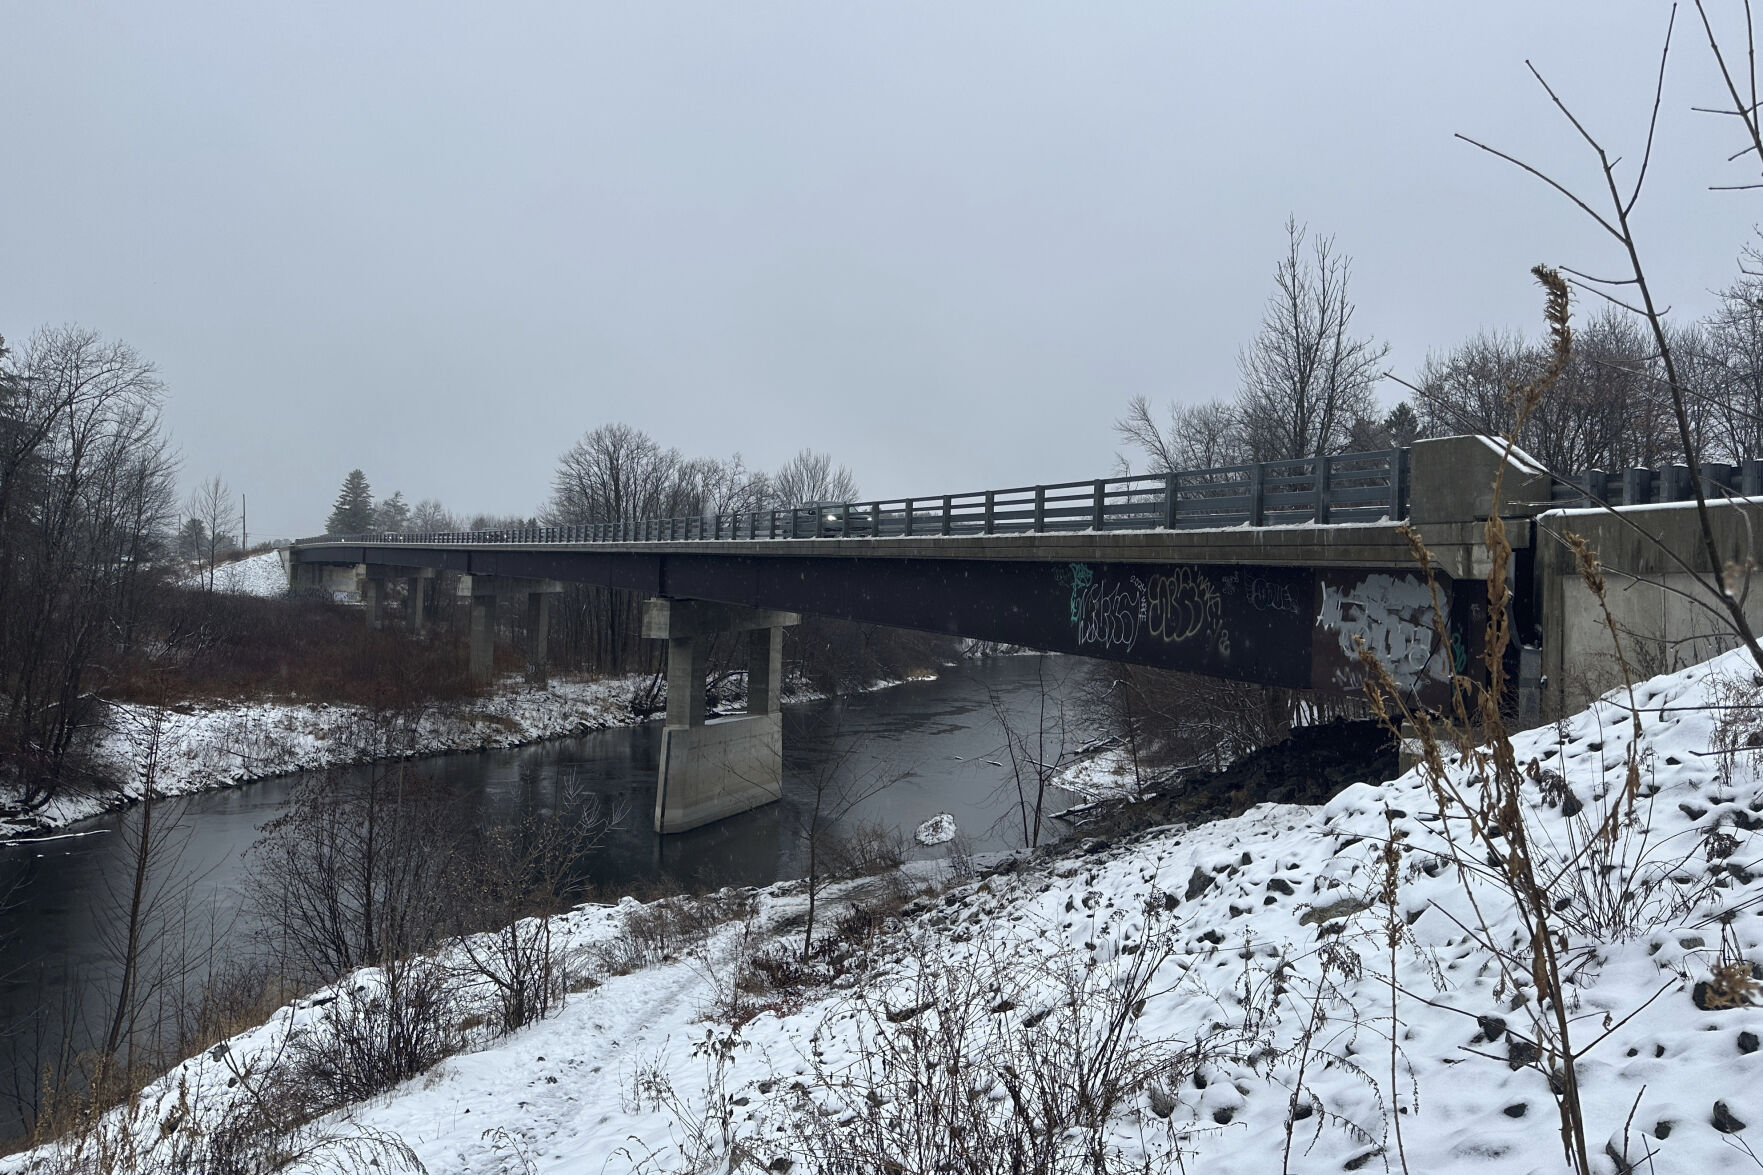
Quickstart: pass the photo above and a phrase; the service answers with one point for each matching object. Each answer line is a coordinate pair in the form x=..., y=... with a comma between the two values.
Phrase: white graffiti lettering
x=1180, y=608
x=1394, y=617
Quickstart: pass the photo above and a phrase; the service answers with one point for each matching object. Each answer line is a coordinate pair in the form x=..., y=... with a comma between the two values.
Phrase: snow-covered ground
x=254, y=575
x=1104, y=771
x=1241, y=972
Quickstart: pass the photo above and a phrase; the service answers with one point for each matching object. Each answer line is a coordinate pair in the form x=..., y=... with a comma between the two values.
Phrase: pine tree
x=193, y=539
x=392, y=514
x=353, y=513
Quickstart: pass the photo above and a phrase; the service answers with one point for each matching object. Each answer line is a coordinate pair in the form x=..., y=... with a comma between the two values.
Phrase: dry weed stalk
x=1482, y=744
x=1389, y=895
x=1470, y=767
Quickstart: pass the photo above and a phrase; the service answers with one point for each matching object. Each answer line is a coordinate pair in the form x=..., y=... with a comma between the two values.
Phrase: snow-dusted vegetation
x=1345, y=987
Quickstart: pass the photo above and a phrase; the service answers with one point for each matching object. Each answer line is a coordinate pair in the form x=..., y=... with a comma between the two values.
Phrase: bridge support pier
x=483, y=635
x=486, y=591
x=373, y=593
x=712, y=768
x=419, y=601
x=538, y=636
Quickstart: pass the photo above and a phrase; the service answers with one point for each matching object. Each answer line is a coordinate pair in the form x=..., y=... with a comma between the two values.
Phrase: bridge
x=1266, y=573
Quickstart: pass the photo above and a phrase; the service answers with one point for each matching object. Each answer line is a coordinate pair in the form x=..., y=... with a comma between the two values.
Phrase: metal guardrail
x=1645, y=486
x=1349, y=487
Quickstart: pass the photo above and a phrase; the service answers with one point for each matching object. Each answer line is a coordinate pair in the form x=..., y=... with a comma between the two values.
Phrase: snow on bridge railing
x=1348, y=487
x=1669, y=483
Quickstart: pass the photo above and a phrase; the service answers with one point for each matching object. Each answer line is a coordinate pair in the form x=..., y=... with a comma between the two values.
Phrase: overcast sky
x=943, y=241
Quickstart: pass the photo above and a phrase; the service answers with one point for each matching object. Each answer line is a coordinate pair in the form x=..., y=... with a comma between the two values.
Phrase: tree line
x=619, y=473
x=1308, y=382
x=614, y=473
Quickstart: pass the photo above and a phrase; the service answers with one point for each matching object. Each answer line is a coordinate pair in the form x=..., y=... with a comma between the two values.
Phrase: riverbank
x=200, y=747
x=1219, y=997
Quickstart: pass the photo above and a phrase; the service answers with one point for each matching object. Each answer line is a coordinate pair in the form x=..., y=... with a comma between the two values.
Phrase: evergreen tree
x=353, y=513
x=1403, y=424
x=393, y=514
x=193, y=540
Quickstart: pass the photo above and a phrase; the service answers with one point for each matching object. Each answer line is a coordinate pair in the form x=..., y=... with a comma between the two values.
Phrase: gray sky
x=943, y=241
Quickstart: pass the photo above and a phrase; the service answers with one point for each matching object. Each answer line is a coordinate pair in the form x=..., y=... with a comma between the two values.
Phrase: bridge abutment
x=713, y=768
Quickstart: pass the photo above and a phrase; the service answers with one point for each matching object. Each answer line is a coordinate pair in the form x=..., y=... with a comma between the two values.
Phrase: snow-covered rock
x=938, y=830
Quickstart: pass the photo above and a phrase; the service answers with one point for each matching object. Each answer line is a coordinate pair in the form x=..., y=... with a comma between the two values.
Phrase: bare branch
x=1522, y=165
x=1746, y=111
x=1653, y=120
x=1614, y=301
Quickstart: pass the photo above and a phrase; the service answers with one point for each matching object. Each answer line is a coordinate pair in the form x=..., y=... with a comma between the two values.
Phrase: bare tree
x=723, y=487
x=211, y=504
x=1198, y=436
x=1608, y=409
x=85, y=498
x=835, y=792
x=518, y=876
x=352, y=873
x=1465, y=389
x=1039, y=749
x=811, y=477
x=614, y=473
x=1731, y=343
x=429, y=515
x=1306, y=377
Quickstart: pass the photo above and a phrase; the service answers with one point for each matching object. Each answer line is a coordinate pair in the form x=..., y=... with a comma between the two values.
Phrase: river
x=894, y=758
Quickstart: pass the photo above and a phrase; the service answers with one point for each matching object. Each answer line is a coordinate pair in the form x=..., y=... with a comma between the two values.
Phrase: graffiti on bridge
x=1393, y=616
x=1179, y=607
x=1296, y=627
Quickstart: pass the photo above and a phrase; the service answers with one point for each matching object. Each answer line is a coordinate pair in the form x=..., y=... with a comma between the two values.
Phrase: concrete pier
x=538, y=636
x=717, y=767
x=373, y=593
x=419, y=601
x=483, y=637
x=486, y=593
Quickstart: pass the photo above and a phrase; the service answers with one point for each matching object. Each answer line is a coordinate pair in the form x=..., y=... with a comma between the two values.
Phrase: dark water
x=892, y=758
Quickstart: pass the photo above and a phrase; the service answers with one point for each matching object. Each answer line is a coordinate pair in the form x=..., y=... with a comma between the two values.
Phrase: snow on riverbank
x=202, y=747
x=1240, y=971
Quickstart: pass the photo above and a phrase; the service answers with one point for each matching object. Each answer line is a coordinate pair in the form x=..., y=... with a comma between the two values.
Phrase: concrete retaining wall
x=1665, y=620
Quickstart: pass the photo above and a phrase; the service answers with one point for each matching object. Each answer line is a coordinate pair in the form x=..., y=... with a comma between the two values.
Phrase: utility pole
x=244, y=525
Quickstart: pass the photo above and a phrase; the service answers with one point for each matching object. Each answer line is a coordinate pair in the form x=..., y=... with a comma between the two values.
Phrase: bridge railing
x=1350, y=487
x=1669, y=483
